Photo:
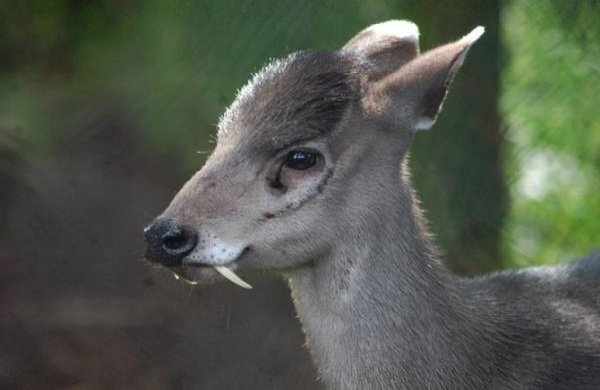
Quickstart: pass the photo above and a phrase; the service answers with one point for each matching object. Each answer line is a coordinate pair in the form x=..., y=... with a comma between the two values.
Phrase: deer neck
x=379, y=308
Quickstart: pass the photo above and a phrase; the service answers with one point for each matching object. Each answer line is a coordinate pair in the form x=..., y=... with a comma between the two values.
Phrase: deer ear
x=387, y=46
x=420, y=86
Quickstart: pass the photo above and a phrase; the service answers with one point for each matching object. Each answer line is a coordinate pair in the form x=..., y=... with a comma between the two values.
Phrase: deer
x=309, y=180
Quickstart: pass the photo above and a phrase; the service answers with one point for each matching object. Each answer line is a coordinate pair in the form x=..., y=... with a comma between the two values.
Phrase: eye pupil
x=300, y=159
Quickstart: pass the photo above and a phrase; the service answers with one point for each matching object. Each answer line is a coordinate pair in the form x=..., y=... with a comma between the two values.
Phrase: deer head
x=309, y=153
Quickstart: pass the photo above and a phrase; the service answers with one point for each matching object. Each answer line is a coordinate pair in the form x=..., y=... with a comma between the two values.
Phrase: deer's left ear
x=417, y=90
x=387, y=46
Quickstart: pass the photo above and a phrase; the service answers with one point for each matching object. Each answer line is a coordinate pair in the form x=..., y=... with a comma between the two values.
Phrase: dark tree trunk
x=457, y=167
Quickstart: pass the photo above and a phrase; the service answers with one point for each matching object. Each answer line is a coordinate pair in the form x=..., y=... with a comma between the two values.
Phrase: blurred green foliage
x=175, y=65
x=550, y=103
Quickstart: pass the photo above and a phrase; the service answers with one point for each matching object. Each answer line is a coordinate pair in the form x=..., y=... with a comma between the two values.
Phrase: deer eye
x=300, y=159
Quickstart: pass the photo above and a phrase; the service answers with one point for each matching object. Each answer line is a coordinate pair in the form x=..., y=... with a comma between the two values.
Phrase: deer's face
x=298, y=144
x=262, y=199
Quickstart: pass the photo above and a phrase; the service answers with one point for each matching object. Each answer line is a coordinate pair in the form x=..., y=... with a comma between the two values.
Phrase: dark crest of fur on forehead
x=306, y=92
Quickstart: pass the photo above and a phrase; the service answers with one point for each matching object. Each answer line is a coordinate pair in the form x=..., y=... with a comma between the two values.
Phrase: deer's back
x=546, y=322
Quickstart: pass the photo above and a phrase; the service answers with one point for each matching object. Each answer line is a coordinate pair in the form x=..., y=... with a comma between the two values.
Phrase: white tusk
x=188, y=281
x=231, y=276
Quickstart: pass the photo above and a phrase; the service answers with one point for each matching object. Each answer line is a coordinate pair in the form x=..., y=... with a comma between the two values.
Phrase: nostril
x=169, y=242
x=174, y=240
x=177, y=240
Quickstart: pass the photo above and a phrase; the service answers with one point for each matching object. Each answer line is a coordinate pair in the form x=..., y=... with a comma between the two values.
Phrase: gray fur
x=379, y=308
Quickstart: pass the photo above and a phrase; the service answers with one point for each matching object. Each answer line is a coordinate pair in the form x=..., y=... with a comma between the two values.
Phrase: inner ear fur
x=418, y=89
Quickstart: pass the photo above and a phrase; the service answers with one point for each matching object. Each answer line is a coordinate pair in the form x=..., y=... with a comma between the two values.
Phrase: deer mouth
x=193, y=269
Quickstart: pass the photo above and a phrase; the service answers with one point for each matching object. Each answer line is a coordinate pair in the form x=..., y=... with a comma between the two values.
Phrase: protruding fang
x=231, y=276
x=188, y=281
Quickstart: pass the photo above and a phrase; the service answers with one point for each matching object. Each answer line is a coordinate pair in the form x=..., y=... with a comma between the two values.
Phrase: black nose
x=168, y=241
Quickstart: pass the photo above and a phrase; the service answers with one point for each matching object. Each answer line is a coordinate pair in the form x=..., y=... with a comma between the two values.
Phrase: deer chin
x=199, y=267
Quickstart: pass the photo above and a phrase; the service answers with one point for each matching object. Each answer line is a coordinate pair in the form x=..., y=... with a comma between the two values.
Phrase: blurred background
x=107, y=105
